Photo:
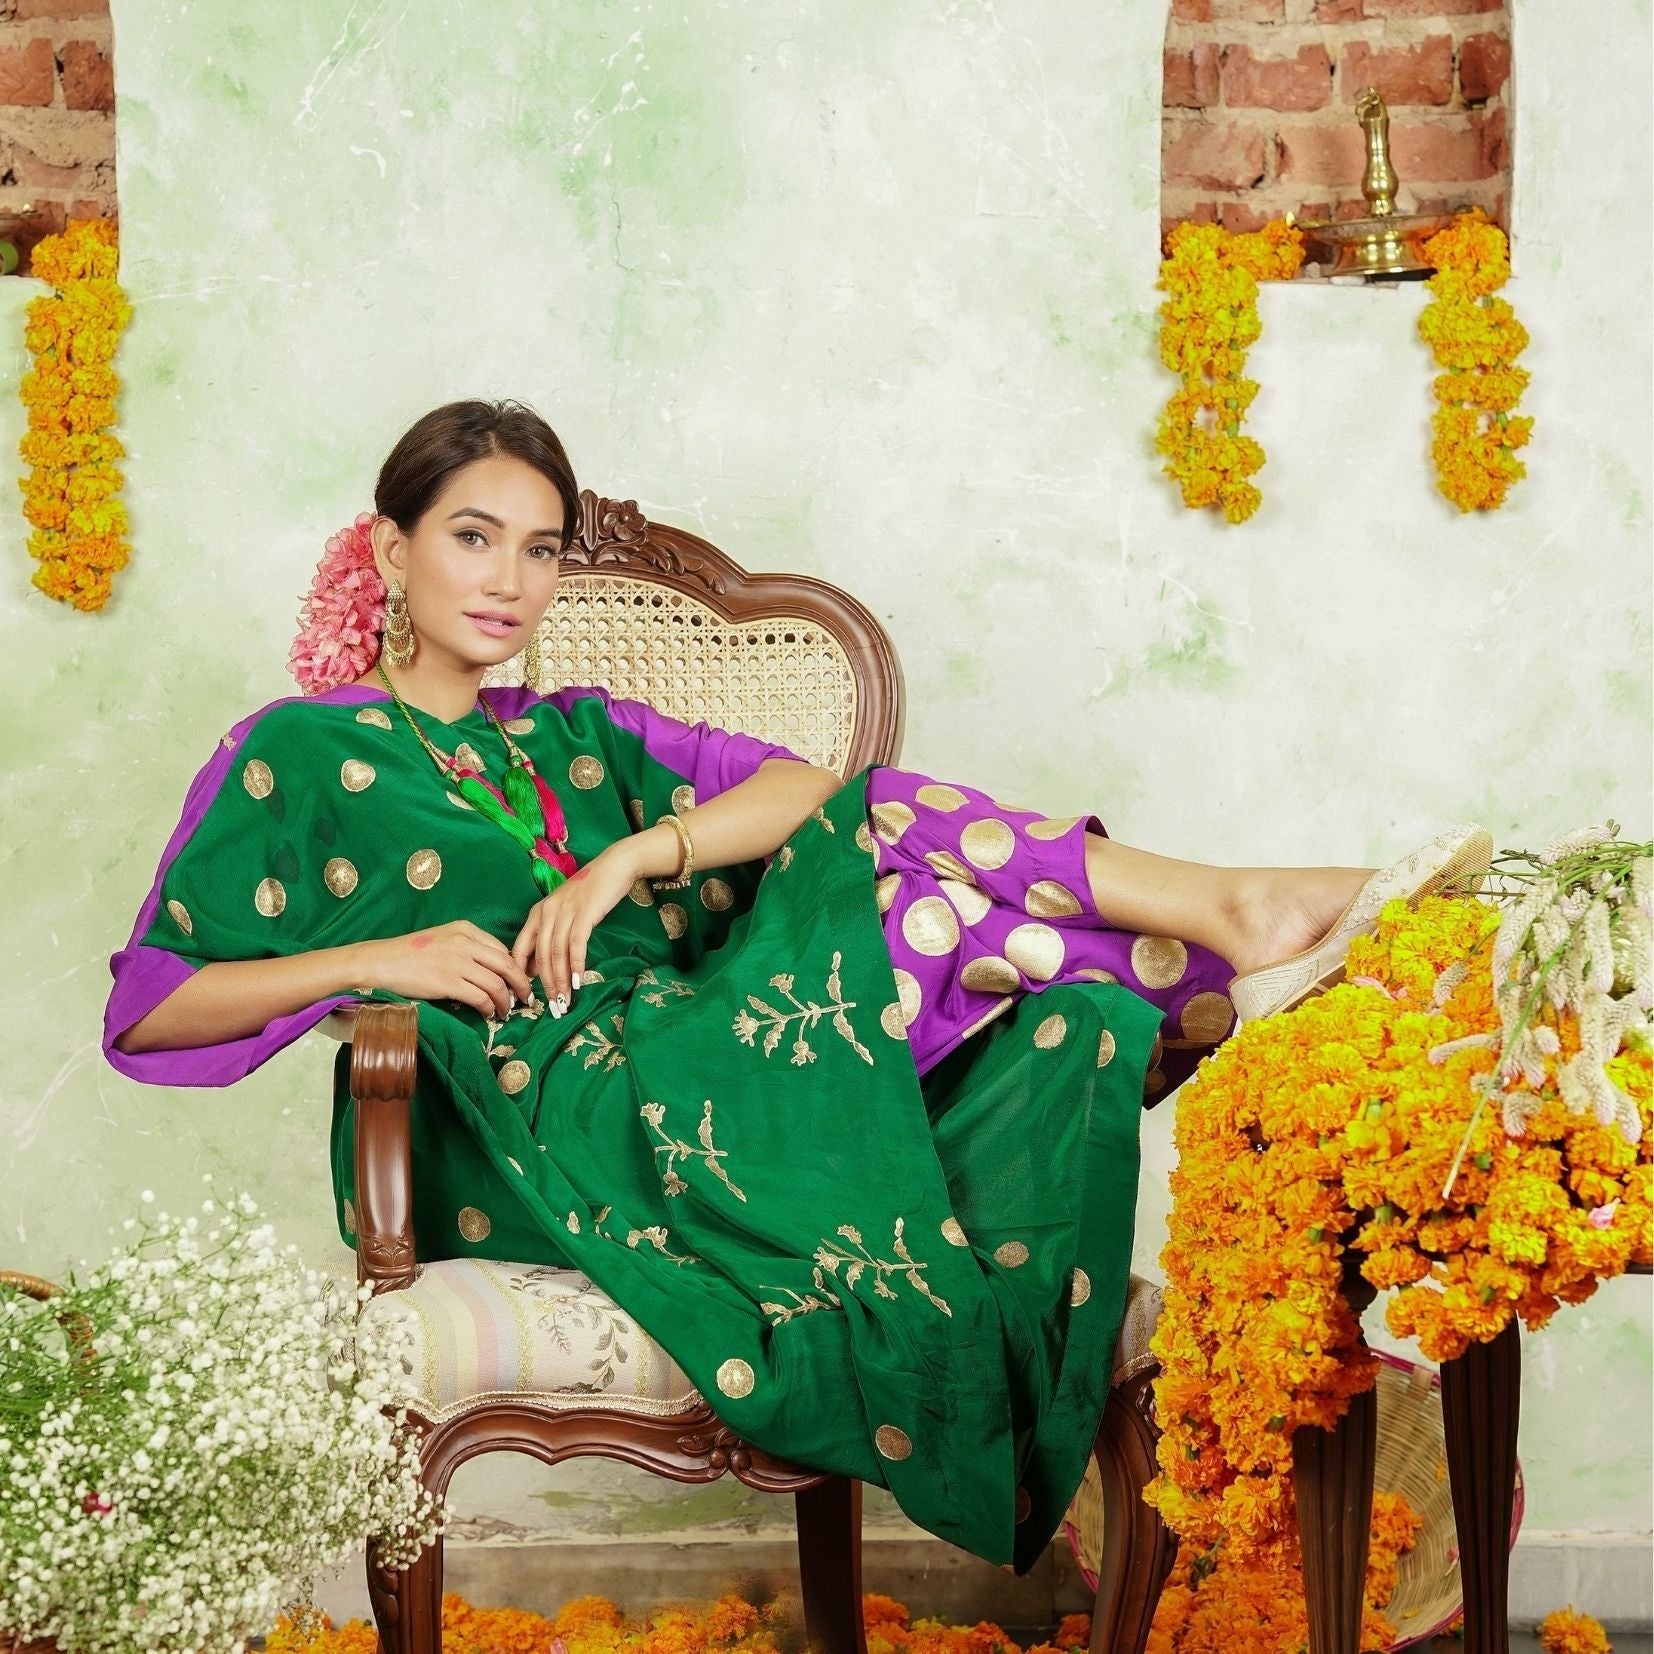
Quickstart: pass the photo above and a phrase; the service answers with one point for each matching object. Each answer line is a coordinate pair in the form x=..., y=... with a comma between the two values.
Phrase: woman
x=854, y=1133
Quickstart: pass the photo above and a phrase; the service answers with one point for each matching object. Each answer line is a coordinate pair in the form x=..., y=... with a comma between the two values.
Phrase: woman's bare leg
x=1251, y=916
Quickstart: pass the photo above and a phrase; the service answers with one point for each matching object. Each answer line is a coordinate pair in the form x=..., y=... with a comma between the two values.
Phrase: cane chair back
x=657, y=614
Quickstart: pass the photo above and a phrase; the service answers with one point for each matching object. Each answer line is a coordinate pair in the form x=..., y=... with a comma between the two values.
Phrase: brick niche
x=57, y=115
x=1258, y=107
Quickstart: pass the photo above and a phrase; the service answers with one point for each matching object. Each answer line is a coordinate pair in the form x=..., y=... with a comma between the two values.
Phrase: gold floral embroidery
x=856, y=1263
x=821, y=816
x=807, y=1015
x=656, y=1235
x=785, y=857
x=602, y=1048
x=676, y=1149
x=803, y=1303
x=672, y=987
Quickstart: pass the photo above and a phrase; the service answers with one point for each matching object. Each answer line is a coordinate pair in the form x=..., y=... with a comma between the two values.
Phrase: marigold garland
x=1332, y=1129
x=1476, y=338
x=1209, y=320
x=69, y=495
x=1217, y=1603
x=1565, y=1632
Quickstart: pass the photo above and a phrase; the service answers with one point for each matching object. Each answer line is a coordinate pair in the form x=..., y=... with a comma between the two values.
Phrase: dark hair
x=437, y=445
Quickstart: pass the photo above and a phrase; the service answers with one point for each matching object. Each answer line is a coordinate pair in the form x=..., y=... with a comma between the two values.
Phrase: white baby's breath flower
x=223, y=1441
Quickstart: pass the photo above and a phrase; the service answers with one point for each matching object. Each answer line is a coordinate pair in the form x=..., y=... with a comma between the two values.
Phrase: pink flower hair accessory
x=342, y=618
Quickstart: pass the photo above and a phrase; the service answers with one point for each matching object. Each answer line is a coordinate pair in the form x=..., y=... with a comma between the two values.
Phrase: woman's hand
x=552, y=942
x=459, y=961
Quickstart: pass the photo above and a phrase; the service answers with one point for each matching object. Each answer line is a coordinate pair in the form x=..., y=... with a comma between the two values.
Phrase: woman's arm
x=234, y=998
x=753, y=818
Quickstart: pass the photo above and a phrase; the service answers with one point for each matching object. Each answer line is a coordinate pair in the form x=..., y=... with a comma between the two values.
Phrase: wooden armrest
x=384, y=1058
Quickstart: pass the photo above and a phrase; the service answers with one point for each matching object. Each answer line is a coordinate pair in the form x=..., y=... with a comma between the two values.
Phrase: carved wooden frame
x=695, y=1445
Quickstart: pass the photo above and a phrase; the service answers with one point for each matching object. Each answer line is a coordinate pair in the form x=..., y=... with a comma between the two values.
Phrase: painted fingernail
x=562, y=1004
x=575, y=979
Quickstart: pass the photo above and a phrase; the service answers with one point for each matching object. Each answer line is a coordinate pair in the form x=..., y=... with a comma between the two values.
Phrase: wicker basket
x=1411, y=1459
x=33, y=1287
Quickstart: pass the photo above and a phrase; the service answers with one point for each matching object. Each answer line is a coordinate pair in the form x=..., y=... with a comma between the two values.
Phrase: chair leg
x=407, y=1602
x=1138, y=1548
x=829, y=1565
x=1481, y=1396
x=1332, y=1477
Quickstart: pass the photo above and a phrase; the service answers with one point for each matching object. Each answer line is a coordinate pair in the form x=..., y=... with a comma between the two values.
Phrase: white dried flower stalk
x=1581, y=838
x=1571, y=944
x=229, y=1435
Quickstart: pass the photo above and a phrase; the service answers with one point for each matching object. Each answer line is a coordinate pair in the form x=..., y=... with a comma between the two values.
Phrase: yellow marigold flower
x=1566, y=1632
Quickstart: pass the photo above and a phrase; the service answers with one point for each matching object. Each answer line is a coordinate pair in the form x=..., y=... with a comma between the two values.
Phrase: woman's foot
x=1282, y=911
x=1295, y=925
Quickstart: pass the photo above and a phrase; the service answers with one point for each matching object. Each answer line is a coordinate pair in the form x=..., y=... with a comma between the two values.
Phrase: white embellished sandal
x=1458, y=858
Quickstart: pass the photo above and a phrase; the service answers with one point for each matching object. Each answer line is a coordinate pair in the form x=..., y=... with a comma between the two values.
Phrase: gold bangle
x=687, y=869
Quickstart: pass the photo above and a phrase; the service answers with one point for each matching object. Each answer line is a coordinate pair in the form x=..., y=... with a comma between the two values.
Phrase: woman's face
x=480, y=567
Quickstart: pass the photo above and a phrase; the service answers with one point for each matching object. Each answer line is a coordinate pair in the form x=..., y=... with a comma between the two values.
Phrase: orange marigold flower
x=1074, y=1631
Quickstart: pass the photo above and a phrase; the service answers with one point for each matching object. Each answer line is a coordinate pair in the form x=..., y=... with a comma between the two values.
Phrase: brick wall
x=57, y=115
x=1258, y=113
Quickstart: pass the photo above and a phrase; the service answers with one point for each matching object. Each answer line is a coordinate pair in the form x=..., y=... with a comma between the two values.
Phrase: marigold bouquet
x=189, y=1436
x=70, y=496
x=1355, y=1130
x=1209, y=320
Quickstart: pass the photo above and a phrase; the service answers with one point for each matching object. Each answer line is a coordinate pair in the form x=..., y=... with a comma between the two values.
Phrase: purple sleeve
x=144, y=976
x=710, y=760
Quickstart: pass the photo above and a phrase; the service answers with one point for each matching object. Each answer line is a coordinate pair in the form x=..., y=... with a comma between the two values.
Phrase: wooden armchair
x=660, y=615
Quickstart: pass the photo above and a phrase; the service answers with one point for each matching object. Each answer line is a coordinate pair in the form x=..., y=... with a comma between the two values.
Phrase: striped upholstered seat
x=482, y=1331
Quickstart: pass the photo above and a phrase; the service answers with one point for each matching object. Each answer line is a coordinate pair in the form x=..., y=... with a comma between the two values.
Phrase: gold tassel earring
x=533, y=665
x=399, y=637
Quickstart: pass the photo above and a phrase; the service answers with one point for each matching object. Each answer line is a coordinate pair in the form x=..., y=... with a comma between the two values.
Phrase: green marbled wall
x=865, y=290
